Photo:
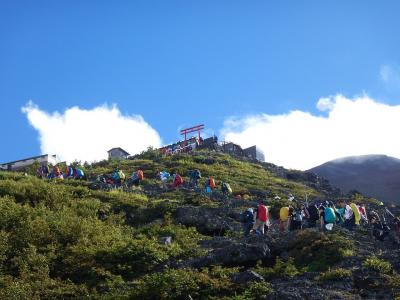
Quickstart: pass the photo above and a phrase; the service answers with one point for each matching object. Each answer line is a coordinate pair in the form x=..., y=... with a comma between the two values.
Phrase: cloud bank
x=87, y=135
x=300, y=140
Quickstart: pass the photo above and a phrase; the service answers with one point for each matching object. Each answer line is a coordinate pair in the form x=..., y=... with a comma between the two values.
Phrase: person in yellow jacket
x=284, y=214
x=351, y=214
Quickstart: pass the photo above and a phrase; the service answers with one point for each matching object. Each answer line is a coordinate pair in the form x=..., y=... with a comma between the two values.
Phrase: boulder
x=165, y=240
x=246, y=276
x=303, y=288
x=230, y=252
x=208, y=220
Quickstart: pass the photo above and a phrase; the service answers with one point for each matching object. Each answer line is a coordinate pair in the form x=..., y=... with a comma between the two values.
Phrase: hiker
x=349, y=218
x=261, y=218
x=178, y=180
x=379, y=229
x=363, y=214
x=56, y=173
x=115, y=177
x=394, y=227
x=226, y=189
x=42, y=171
x=313, y=215
x=79, y=174
x=118, y=177
x=137, y=177
x=248, y=219
x=209, y=185
x=340, y=212
x=329, y=216
x=395, y=231
x=195, y=176
x=284, y=218
x=164, y=177
x=321, y=213
x=296, y=219
x=69, y=172
x=305, y=212
x=39, y=173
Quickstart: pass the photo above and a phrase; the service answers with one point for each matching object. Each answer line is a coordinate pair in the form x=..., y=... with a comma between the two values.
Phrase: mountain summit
x=377, y=176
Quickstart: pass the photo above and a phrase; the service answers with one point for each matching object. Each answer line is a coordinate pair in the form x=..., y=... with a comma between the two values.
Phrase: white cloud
x=301, y=140
x=325, y=104
x=80, y=134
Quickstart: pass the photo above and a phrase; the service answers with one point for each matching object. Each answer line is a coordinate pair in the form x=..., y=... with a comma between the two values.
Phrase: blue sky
x=179, y=63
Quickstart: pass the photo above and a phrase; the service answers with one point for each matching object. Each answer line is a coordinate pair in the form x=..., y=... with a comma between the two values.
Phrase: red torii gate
x=197, y=128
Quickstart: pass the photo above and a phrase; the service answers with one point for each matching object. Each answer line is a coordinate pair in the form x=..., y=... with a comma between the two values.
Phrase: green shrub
x=378, y=265
x=257, y=290
x=179, y=284
x=280, y=269
x=334, y=275
x=318, y=251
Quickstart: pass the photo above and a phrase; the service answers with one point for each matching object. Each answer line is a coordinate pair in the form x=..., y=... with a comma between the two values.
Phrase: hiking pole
x=389, y=212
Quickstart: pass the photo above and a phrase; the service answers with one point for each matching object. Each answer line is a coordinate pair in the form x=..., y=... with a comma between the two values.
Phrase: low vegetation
x=61, y=240
x=378, y=265
x=337, y=274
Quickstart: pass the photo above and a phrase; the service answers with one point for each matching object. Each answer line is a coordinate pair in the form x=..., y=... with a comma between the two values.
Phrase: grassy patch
x=318, y=251
x=334, y=275
x=280, y=269
x=378, y=265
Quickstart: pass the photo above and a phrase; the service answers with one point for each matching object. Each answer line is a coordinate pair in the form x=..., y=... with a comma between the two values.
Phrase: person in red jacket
x=262, y=217
x=178, y=180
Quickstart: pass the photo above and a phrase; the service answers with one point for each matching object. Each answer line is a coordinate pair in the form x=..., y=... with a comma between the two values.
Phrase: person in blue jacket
x=79, y=174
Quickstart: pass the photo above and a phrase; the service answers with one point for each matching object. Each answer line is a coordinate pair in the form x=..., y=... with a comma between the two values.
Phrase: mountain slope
x=61, y=240
x=376, y=176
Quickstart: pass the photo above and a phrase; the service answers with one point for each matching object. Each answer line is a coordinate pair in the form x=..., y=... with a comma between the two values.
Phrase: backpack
x=330, y=216
x=313, y=212
x=228, y=188
x=262, y=213
x=196, y=174
x=178, y=179
x=212, y=183
x=356, y=213
x=284, y=214
x=297, y=216
x=248, y=217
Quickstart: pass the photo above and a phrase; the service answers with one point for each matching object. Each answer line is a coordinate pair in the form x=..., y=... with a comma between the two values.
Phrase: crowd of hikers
x=195, y=177
x=321, y=215
x=70, y=172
